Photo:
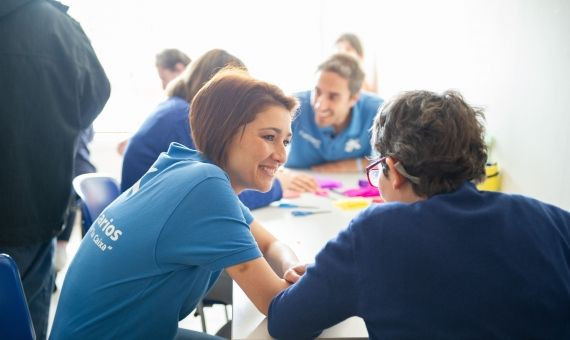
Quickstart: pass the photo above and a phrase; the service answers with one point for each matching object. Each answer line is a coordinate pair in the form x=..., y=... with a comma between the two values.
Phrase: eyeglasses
x=373, y=172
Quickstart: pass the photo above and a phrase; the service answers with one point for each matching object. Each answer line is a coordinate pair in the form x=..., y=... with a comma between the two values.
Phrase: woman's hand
x=296, y=181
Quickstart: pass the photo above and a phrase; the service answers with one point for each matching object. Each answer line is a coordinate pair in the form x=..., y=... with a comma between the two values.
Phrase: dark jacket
x=51, y=87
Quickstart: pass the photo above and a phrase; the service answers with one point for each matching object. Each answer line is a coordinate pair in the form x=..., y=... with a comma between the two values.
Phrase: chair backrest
x=15, y=320
x=96, y=191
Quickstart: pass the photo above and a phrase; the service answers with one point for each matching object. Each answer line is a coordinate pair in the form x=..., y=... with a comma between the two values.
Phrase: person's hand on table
x=294, y=273
x=296, y=181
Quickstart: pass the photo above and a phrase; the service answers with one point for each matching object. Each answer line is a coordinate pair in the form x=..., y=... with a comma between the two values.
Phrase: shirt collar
x=352, y=129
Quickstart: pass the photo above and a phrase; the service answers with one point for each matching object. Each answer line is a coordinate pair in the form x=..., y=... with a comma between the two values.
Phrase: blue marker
x=291, y=205
x=300, y=213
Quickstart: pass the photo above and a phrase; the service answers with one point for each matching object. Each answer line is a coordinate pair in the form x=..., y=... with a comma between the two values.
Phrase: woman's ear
x=395, y=177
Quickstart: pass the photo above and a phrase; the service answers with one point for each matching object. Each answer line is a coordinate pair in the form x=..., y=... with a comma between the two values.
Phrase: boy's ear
x=396, y=178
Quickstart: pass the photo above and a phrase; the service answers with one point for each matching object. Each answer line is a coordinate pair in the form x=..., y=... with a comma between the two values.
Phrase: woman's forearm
x=280, y=257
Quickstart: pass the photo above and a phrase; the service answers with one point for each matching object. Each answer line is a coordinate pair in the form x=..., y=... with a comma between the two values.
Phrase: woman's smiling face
x=258, y=150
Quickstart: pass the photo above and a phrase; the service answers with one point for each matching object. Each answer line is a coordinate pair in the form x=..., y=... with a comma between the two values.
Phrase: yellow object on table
x=353, y=203
x=493, y=180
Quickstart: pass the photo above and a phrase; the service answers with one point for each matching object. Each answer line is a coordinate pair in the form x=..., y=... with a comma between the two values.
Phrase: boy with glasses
x=440, y=259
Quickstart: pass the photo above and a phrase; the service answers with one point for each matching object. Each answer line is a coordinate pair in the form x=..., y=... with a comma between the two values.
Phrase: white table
x=306, y=235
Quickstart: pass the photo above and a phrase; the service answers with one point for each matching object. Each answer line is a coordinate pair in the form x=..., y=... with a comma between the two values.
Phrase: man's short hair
x=347, y=67
x=169, y=58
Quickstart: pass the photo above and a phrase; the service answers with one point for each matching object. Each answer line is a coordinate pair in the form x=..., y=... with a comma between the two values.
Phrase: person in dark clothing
x=82, y=165
x=52, y=87
x=440, y=259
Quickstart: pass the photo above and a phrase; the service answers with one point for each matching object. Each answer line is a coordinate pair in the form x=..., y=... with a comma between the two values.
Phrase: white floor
x=215, y=315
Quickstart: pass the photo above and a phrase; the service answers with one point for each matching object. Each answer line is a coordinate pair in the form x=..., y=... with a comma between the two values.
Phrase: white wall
x=276, y=40
x=511, y=57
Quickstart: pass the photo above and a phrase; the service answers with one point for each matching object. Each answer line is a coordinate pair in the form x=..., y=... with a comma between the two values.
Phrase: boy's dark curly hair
x=438, y=138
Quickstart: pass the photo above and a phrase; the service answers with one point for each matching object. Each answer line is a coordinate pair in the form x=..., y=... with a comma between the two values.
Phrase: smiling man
x=331, y=132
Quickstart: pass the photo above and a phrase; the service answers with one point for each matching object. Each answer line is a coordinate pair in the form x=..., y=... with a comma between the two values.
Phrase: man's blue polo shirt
x=313, y=145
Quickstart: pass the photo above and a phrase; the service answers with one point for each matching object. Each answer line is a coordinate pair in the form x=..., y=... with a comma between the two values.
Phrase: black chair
x=221, y=293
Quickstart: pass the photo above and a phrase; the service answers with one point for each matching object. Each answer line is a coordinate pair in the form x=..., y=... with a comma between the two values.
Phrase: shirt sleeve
x=246, y=213
x=326, y=294
x=208, y=228
x=254, y=199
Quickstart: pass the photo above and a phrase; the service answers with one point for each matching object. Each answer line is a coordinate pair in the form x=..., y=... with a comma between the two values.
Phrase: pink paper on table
x=321, y=192
x=328, y=183
x=368, y=191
